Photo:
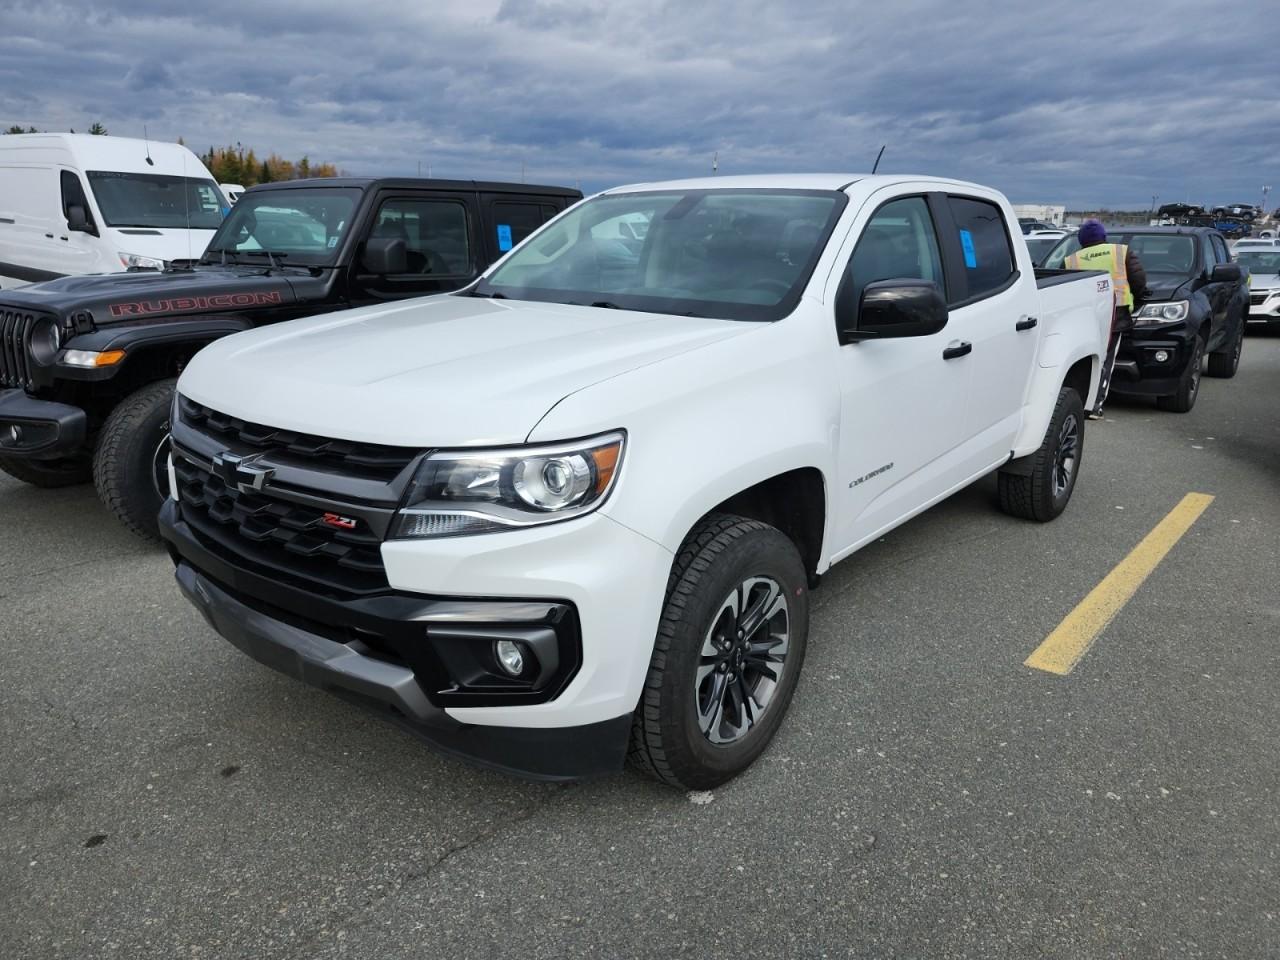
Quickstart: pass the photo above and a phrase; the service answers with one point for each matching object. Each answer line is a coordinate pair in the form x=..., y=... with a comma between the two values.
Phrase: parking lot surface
x=929, y=794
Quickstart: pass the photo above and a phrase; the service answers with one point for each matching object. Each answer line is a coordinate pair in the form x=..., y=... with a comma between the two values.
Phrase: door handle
x=1026, y=323
x=959, y=349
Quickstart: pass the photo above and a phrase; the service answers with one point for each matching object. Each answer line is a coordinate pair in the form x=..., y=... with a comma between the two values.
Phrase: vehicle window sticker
x=504, y=237
x=970, y=255
x=333, y=242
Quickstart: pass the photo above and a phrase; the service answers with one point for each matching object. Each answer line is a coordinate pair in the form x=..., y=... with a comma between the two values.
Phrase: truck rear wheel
x=727, y=656
x=1225, y=362
x=1041, y=488
x=1188, y=386
x=66, y=472
x=126, y=465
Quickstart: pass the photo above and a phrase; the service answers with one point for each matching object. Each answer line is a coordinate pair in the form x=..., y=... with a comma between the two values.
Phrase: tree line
x=235, y=164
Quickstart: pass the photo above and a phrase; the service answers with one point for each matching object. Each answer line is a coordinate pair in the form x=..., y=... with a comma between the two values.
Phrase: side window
x=73, y=195
x=515, y=221
x=1220, y=248
x=1206, y=249
x=984, y=244
x=898, y=242
x=434, y=231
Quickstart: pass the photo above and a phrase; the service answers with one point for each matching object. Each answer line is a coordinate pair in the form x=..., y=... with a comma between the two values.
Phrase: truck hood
x=1166, y=286
x=441, y=371
x=159, y=242
x=123, y=297
x=1259, y=282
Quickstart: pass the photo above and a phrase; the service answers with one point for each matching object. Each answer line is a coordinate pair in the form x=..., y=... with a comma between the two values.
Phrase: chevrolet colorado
x=574, y=511
x=87, y=363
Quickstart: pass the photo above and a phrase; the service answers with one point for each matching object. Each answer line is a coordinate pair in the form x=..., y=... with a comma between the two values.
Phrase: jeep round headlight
x=46, y=338
x=458, y=492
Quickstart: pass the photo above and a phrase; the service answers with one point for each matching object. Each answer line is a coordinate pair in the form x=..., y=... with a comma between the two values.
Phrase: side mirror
x=1225, y=273
x=384, y=256
x=78, y=219
x=897, y=308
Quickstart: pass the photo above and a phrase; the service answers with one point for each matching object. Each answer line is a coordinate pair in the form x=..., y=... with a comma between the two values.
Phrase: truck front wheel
x=1188, y=385
x=727, y=655
x=1040, y=486
x=126, y=469
x=66, y=472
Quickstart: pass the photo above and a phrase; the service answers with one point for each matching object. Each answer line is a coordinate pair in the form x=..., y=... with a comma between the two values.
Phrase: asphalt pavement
x=928, y=796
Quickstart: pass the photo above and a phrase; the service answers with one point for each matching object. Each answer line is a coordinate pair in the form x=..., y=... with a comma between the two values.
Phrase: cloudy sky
x=1087, y=103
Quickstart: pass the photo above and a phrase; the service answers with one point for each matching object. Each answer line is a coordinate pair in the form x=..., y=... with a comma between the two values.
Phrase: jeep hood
x=124, y=297
x=442, y=371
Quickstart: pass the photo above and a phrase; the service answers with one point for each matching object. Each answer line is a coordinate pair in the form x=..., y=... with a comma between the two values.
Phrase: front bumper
x=1138, y=369
x=375, y=649
x=1266, y=312
x=39, y=429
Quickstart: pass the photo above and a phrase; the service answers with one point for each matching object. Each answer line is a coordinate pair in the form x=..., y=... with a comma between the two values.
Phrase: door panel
x=439, y=235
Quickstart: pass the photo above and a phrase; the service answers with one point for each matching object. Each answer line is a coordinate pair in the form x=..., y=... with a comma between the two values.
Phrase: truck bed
x=1051, y=278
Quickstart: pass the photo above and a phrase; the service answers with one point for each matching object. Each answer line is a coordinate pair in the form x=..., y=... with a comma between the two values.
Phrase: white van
x=72, y=204
x=231, y=191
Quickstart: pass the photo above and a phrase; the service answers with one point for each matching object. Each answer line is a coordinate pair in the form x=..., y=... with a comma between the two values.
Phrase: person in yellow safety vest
x=1128, y=282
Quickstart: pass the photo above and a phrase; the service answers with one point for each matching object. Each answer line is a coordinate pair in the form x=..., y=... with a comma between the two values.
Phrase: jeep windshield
x=156, y=201
x=733, y=254
x=306, y=225
x=1172, y=254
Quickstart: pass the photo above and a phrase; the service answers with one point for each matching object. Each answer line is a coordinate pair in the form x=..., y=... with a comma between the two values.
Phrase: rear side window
x=434, y=232
x=73, y=195
x=515, y=221
x=984, y=245
x=899, y=242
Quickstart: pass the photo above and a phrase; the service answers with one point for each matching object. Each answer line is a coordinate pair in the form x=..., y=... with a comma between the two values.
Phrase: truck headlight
x=1152, y=314
x=457, y=492
x=136, y=261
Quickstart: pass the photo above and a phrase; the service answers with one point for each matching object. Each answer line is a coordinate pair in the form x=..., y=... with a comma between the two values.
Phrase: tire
x=1226, y=362
x=125, y=462
x=1044, y=492
x=1188, y=387
x=49, y=474
x=724, y=559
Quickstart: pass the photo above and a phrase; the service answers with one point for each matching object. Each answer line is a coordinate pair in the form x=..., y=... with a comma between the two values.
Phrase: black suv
x=87, y=364
x=1195, y=304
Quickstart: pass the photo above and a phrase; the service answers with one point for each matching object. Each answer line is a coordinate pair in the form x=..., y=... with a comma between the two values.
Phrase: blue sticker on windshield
x=504, y=237
x=970, y=255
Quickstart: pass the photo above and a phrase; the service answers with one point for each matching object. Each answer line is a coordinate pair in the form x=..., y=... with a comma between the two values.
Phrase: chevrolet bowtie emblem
x=243, y=473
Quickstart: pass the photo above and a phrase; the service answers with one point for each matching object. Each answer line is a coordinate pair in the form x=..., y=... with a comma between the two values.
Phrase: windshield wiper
x=271, y=255
x=491, y=296
x=607, y=305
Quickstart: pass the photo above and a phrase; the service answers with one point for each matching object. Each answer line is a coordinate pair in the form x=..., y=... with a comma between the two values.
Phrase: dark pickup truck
x=1194, y=306
x=87, y=364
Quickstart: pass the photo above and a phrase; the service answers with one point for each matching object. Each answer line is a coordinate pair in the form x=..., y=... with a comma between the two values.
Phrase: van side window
x=434, y=231
x=515, y=221
x=898, y=243
x=984, y=245
x=73, y=196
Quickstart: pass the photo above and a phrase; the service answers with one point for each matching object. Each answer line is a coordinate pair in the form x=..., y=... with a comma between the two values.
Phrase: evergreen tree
x=97, y=130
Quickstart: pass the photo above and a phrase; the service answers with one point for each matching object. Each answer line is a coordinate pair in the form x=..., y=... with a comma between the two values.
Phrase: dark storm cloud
x=1088, y=103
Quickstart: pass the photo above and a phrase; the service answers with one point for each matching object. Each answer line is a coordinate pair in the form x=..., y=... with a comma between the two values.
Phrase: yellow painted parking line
x=1063, y=648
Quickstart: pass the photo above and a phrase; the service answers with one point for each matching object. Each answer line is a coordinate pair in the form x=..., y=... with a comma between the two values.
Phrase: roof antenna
x=876, y=165
x=147, y=144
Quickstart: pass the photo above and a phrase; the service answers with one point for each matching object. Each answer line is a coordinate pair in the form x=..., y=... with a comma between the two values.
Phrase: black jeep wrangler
x=87, y=364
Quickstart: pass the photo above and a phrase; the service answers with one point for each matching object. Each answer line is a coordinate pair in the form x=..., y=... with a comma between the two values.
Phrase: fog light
x=509, y=656
x=1162, y=356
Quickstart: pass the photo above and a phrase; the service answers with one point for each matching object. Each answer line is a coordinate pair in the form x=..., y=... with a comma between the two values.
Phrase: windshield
x=155, y=200
x=1260, y=262
x=1167, y=253
x=731, y=254
x=305, y=225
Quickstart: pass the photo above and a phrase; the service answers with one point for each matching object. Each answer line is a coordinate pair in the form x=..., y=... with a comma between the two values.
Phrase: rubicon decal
x=142, y=308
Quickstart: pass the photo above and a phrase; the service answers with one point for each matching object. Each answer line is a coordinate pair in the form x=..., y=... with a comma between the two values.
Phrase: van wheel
x=127, y=466
x=66, y=472
x=1044, y=493
x=1189, y=386
x=727, y=656
x=1225, y=362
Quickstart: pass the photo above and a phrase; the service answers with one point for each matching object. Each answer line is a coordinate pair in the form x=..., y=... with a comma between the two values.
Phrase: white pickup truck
x=573, y=512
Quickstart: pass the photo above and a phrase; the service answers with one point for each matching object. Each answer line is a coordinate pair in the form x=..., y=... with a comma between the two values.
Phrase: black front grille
x=15, y=339
x=369, y=460
x=1257, y=298
x=306, y=545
